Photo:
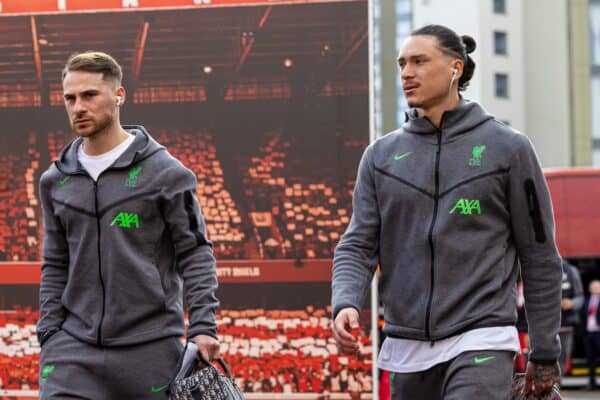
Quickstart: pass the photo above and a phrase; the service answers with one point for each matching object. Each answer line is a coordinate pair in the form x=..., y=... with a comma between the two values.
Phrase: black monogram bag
x=207, y=383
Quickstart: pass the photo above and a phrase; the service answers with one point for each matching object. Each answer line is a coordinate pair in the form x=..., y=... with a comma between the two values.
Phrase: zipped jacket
x=117, y=251
x=448, y=214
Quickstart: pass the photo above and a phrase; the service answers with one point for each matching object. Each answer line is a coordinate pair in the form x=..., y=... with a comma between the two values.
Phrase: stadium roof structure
x=193, y=54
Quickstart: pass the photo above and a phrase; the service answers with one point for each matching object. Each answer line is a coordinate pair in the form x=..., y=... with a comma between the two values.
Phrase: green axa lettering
x=126, y=220
x=467, y=207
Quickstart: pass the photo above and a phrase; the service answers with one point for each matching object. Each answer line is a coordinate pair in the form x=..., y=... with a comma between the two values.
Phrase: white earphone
x=118, y=98
x=452, y=80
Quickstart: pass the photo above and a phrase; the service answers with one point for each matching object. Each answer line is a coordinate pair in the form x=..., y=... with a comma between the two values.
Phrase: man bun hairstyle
x=94, y=61
x=469, y=68
x=455, y=46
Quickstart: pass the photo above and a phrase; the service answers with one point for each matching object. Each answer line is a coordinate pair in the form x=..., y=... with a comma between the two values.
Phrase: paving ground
x=572, y=389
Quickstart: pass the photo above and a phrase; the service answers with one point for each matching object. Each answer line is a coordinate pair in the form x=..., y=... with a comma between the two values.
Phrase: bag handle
x=219, y=360
x=193, y=362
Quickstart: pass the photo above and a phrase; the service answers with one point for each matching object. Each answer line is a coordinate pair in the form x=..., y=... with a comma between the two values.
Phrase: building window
x=595, y=104
x=500, y=43
x=500, y=6
x=501, y=85
x=596, y=158
x=595, y=32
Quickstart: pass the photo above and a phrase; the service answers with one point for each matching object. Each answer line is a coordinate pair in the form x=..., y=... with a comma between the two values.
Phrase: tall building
x=533, y=61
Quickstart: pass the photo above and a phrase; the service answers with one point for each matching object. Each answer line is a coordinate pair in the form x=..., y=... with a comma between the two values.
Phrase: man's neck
x=435, y=113
x=104, y=141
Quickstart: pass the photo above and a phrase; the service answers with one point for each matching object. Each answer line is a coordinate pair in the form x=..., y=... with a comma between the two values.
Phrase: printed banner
x=57, y=6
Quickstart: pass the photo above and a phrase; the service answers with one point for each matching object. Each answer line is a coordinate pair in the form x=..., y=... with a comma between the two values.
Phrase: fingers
x=345, y=330
x=204, y=354
x=529, y=374
x=540, y=379
x=528, y=386
x=210, y=351
x=540, y=390
x=215, y=351
x=208, y=346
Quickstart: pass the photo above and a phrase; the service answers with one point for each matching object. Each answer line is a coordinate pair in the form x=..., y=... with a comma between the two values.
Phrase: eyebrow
x=88, y=91
x=412, y=57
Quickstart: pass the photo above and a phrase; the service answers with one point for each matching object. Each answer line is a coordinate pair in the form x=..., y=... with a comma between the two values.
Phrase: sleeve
x=578, y=297
x=55, y=268
x=357, y=254
x=194, y=254
x=532, y=223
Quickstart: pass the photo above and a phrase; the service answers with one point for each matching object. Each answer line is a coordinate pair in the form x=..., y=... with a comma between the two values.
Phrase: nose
x=78, y=106
x=407, y=72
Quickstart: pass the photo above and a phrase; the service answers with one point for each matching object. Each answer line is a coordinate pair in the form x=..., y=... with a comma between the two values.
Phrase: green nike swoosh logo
x=399, y=157
x=482, y=360
x=159, y=389
x=62, y=182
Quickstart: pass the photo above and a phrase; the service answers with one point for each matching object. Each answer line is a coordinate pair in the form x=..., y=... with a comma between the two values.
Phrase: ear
x=457, y=68
x=120, y=96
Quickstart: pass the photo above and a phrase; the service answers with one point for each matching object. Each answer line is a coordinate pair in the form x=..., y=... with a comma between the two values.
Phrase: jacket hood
x=143, y=146
x=464, y=117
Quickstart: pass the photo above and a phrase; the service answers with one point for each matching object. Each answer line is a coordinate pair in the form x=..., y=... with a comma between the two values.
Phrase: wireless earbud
x=452, y=80
x=118, y=98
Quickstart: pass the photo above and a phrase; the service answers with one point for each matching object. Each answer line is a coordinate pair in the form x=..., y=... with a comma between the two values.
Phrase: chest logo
x=475, y=161
x=399, y=157
x=133, y=176
x=126, y=220
x=467, y=207
x=63, y=181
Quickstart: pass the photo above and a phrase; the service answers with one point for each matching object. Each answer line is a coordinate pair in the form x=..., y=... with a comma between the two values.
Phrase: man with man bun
x=452, y=207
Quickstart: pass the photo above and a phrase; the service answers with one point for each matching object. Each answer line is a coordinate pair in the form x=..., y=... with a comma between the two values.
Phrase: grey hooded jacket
x=448, y=214
x=117, y=251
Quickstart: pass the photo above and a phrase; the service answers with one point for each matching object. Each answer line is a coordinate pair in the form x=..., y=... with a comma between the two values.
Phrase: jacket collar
x=461, y=119
x=142, y=147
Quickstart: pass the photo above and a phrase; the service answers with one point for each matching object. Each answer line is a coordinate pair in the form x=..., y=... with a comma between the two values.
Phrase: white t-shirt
x=94, y=165
x=404, y=355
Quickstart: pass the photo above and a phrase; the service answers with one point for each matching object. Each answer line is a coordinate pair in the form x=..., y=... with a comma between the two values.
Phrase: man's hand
x=345, y=323
x=208, y=346
x=540, y=378
x=566, y=304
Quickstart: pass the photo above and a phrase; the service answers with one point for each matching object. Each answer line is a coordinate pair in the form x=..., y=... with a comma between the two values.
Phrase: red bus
x=576, y=200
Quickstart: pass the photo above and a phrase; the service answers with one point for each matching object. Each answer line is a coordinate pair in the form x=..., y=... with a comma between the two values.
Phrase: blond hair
x=94, y=61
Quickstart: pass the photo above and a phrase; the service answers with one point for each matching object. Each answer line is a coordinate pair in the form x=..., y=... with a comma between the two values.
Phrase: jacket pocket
x=162, y=283
x=50, y=339
x=534, y=211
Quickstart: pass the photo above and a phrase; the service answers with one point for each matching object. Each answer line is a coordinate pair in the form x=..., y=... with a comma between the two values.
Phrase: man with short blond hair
x=123, y=232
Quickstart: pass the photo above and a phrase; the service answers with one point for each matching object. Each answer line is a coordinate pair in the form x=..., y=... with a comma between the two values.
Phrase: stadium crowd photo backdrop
x=267, y=102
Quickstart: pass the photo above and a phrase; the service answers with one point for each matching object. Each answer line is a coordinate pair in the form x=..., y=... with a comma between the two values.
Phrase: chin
x=84, y=132
x=413, y=103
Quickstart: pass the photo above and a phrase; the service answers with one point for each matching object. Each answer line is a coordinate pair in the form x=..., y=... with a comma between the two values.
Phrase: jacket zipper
x=431, y=227
x=99, y=330
x=99, y=334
